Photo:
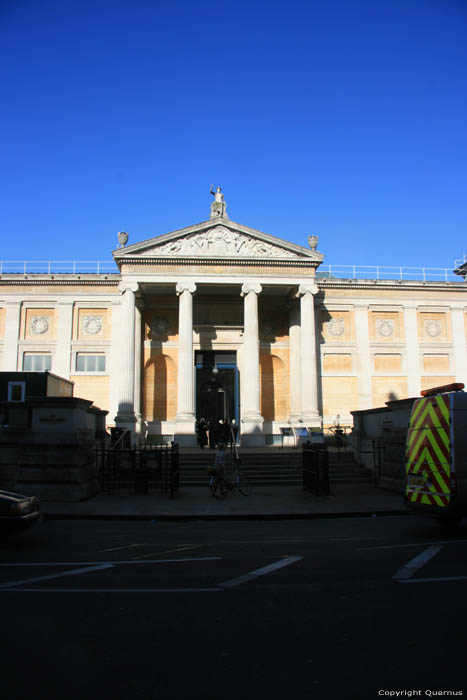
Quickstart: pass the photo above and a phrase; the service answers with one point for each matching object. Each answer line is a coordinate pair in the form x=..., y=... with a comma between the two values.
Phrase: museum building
x=221, y=321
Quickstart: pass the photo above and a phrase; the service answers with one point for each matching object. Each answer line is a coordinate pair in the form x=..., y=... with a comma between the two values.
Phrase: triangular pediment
x=217, y=239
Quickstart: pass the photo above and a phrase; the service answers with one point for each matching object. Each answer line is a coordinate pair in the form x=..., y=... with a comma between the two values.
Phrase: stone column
x=11, y=340
x=459, y=345
x=61, y=364
x=363, y=359
x=252, y=420
x=412, y=349
x=138, y=361
x=125, y=417
x=309, y=385
x=295, y=404
x=185, y=429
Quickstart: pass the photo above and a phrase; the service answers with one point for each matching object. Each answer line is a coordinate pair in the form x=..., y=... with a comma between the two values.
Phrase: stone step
x=271, y=467
x=194, y=477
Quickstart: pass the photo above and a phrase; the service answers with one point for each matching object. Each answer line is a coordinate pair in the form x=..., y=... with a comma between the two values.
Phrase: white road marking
x=416, y=563
x=111, y=590
x=123, y=546
x=260, y=572
x=430, y=580
x=113, y=563
x=73, y=572
x=410, y=544
x=350, y=539
x=169, y=551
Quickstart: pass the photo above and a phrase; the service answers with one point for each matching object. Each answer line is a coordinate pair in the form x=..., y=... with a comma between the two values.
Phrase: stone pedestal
x=48, y=448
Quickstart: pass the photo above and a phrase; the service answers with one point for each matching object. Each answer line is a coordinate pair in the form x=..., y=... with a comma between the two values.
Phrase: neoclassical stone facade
x=219, y=320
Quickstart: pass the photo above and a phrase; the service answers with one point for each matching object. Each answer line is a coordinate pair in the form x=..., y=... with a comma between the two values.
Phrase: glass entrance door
x=217, y=386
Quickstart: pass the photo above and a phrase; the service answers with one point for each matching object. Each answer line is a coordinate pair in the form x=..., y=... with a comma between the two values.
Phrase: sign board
x=301, y=432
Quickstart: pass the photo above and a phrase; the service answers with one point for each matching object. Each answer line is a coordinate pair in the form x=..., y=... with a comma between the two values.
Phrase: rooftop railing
x=362, y=272
x=51, y=267
x=370, y=272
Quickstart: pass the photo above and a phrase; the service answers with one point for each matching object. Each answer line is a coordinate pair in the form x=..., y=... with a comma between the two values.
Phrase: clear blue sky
x=343, y=118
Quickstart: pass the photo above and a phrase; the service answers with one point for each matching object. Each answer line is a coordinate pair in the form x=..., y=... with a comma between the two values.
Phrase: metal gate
x=139, y=469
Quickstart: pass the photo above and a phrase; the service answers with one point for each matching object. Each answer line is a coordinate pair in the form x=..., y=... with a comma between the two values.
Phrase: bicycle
x=232, y=479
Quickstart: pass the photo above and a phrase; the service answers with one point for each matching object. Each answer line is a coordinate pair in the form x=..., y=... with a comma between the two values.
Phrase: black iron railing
x=139, y=469
x=315, y=469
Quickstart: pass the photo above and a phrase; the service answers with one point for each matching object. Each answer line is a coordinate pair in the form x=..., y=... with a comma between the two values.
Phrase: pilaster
x=459, y=344
x=362, y=334
x=12, y=330
x=412, y=348
x=63, y=352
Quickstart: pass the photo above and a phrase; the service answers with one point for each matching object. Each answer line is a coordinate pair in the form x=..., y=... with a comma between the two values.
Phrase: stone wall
x=379, y=435
x=47, y=447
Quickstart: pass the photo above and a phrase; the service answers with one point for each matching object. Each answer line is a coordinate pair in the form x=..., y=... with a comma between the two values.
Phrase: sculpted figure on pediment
x=220, y=242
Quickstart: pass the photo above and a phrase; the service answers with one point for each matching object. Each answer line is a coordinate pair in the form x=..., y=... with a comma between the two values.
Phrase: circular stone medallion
x=92, y=324
x=40, y=324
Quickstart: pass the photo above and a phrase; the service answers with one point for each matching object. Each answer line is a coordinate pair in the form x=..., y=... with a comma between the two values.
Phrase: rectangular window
x=90, y=363
x=16, y=391
x=33, y=362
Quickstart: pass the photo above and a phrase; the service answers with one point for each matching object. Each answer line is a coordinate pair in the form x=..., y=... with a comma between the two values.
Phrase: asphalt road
x=342, y=608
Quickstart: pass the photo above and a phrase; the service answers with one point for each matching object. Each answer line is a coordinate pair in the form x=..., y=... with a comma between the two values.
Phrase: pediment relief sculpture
x=220, y=242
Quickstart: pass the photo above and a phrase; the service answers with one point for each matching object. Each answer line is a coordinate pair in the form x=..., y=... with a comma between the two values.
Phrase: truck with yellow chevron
x=436, y=455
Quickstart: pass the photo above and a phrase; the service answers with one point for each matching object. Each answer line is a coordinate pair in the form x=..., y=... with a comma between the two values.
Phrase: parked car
x=17, y=513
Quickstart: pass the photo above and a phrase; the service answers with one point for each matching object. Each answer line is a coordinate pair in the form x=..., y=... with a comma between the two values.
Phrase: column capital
x=185, y=287
x=310, y=288
x=128, y=287
x=251, y=287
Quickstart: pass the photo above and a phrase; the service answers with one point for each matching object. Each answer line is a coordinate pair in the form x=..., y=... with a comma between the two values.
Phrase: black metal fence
x=315, y=469
x=139, y=469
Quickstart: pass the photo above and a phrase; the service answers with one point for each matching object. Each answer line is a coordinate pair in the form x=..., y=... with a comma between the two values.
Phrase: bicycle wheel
x=217, y=488
x=243, y=485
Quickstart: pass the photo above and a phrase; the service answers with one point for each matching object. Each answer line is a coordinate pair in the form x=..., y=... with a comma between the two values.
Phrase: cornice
x=393, y=285
x=230, y=262
x=60, y=281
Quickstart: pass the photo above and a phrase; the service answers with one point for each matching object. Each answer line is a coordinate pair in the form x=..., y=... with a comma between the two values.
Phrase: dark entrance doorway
x=217, y=386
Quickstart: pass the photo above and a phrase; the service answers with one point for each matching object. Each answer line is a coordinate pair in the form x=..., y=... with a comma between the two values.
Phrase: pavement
x=265, y=502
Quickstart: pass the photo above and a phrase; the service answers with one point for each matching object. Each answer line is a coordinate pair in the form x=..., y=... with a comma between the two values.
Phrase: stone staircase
x=270, y=467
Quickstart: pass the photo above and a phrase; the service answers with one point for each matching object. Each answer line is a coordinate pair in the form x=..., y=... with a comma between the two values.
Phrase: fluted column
x=252, y=420
x=125, y=417
x=185, y=430
x=294, y=355
x=309, y=384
